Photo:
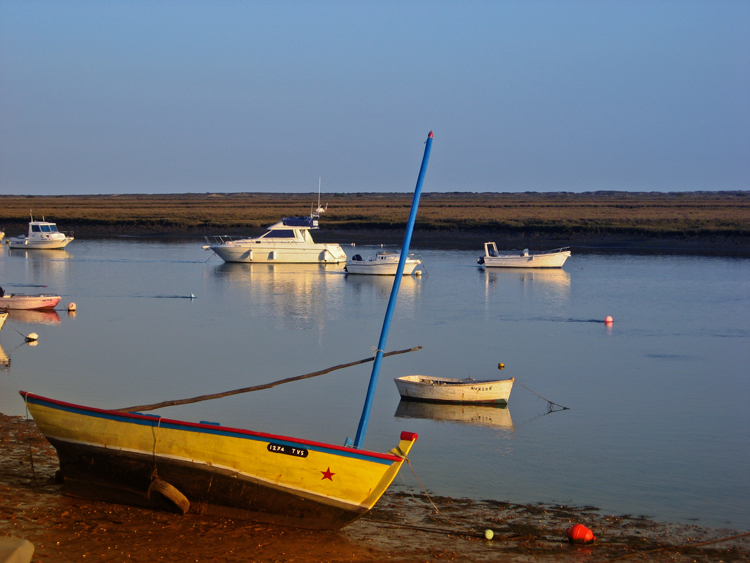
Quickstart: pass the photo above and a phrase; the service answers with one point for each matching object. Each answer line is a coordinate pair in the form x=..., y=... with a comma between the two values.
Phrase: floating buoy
x=32, y=337
x=72, y=307
x=500, y=366
x=489, y=534
x=580, y=534
x=417, y=273
x=608, y=320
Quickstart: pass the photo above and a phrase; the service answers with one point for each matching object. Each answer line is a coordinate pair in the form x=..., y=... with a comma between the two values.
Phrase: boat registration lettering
x=288, y=450
x=477, y=388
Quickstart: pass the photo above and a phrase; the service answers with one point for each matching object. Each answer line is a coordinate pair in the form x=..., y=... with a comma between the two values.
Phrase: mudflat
x=404, y=526
x=719, y=221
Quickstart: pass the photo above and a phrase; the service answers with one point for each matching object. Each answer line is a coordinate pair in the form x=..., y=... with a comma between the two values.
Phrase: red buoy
x=580, y=534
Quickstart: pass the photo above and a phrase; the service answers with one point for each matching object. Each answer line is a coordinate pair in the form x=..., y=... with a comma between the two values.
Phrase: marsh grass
x=564, y=214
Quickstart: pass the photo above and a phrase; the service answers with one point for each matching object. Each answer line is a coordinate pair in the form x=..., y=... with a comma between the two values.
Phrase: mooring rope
x=31, y=450
x=683, y=546
x=459, y=527
x=550, y=403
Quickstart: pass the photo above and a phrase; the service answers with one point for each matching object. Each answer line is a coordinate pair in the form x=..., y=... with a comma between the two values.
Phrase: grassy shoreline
x=678, y=220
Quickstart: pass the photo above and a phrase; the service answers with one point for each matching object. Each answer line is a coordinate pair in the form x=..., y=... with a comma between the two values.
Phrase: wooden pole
x=139, y=408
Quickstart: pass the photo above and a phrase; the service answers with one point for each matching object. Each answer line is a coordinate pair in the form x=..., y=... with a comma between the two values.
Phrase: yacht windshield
x=279, y=233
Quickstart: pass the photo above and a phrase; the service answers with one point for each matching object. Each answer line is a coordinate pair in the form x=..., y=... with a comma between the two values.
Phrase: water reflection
x=477, y=415
x=43, y=264
x=303, y=295
x=4, y=360
x=39, y=254
x=34, y=317
x=379, y=287
x=551, y=284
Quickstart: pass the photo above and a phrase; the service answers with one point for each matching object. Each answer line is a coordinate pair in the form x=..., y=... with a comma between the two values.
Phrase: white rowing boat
x=448, y=390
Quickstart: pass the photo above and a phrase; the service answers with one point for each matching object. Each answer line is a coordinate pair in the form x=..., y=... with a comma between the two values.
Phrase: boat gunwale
x=227, y=431
x=430, y=381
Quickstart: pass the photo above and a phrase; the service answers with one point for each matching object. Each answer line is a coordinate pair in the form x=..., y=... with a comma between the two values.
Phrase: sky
x=158, y=96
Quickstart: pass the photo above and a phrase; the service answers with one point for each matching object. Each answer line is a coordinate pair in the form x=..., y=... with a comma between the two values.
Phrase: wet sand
x=402, y=527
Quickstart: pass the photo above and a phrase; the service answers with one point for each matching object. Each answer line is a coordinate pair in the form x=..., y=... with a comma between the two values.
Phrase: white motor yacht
x=288, y=241
x=42, y=234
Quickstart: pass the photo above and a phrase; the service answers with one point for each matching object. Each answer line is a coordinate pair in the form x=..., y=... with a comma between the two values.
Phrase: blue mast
x=392, y=301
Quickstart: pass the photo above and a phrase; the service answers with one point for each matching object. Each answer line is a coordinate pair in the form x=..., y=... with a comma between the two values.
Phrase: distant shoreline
x=715, y=223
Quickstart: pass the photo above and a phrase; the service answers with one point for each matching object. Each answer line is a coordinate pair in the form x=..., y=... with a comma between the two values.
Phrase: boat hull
x=27, y=244
x=121, y=457
x=27, y=302
x=373, y=268
x=3, y=316
x=280, y=253
x=531, y=261
x=447, y=390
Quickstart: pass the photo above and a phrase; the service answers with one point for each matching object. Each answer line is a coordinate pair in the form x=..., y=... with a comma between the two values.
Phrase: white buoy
x=32, y=337
x=72, y=307
x=417, y=273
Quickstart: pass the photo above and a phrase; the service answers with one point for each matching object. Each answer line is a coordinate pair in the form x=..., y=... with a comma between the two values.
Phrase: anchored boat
x=449, y=390
x=21, y=301
x=494, y=258
x=130, y=457
x=384, y=264
x=42, y=234
x=288, y=241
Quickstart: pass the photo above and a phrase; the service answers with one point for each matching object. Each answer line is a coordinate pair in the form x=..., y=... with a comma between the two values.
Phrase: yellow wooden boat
x=134, y=458
x=158, y=462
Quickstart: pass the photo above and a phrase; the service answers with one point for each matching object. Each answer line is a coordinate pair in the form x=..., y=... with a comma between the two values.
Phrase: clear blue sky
x=156, y=96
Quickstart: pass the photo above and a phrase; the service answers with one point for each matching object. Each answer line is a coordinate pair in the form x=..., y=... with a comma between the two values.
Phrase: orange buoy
x=580, y=534
x=608, y=320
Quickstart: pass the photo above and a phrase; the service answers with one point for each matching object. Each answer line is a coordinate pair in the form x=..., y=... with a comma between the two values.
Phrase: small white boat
x=384, y=264
x=21, y=301
x=289, y=241
x=493, y=258
x=42, y=234
x=448, y=390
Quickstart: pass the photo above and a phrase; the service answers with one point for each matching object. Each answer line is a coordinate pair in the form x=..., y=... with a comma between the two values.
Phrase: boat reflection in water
x=299, y=295
x=34, y=316
x=551, y=285
x=4, y=360
x=40, y=254
x=304, y=294
x=379, y=288
x=476, y=415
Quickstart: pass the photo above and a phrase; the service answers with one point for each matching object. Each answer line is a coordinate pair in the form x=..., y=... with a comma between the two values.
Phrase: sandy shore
x=402, y=527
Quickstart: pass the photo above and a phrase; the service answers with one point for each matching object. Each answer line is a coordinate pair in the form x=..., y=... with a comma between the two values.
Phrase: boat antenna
x=362, y=428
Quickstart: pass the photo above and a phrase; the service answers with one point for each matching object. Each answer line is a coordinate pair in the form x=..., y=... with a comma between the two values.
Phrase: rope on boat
x=460, y=528
x=176, y=402
x=550, y=404
x=31, y=450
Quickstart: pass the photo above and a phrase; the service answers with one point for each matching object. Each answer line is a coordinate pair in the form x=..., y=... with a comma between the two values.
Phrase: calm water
x=659, y=423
